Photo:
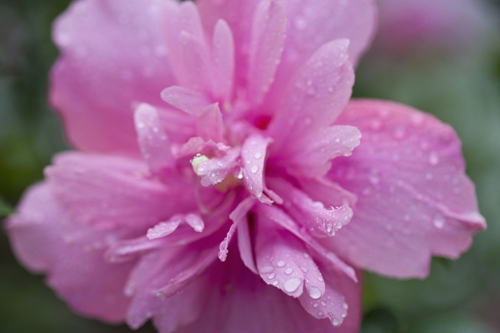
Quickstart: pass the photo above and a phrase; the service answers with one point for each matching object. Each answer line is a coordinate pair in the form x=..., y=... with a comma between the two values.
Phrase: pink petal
x=315, y=96
x=189, y=53
x=163, y=229
x=328, y=192
x=167, y=268
x=97, y=79
x=414, y=199
x=217, y=169
x=245, y=246
x=112, y=191
x=329, y=258
x=196, y=222
x=309, y=27
x=321, y=221
x=185, y=99
x=153, y=141
x=210, y=125
x=242, y=302
x=337, y=303
x=238, y=215
x=223, y=58
x=268, y=39
x=283, y=262
x=253, y=156
x=80, y=276
x=311, y=156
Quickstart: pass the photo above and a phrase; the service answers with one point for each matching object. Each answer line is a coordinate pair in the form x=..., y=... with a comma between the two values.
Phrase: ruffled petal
x=166, y=284
x=98, y=78
x=309, y=27
x=283, y=261
x=315, y=97
x=311, y=157
x=153, y=141
x=111, y=191
x=223, y=57
x=321, y=221
x=79, y=274
x=253, y=156
x=414, y=199
x=242, y=302
x=189, y=53
x=266, y=46
x=340, y=302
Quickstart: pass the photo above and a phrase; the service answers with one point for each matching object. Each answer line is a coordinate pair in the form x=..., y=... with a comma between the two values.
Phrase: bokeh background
x=441, y=56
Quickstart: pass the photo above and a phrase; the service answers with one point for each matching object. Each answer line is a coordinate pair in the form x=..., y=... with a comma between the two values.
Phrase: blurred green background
x=461, y=86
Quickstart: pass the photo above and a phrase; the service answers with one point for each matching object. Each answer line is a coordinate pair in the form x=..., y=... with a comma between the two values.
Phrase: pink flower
x=250, y=161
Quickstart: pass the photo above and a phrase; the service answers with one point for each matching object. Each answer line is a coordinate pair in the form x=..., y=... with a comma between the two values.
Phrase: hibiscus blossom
x=224, y=182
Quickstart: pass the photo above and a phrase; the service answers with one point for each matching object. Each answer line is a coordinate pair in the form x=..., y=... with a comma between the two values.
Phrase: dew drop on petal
x=254, y=169
x=314, y=293
x=292, y=284
x=281, y=263
x=439, y=221
x=433, y=158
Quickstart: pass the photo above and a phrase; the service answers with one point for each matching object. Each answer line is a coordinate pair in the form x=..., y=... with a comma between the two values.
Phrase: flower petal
x=153, y=141
x=242, y=302
x=276, y=215
x=318, y=219
x=112, y=191
x=414, y=199
x=253, y=156
x=283, y=261
x=97, y=79
x=315, y=96
x=154, y=279
x=309, y=27
x=189, y=52
x=79, y=274
x=267, y=43
x=210, y=125
x=223, y=57
x=185, y=99
x=311, y=156
x=339, y=303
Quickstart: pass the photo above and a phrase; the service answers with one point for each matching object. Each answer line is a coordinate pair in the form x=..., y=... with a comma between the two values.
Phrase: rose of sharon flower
x=251, y=199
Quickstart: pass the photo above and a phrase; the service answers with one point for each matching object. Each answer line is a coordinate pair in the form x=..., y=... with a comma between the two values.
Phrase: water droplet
x=281, y=263
x=266, y=269
x=314, y=292
x=257, y=155
x=254, y=169
x=275, y=283
x=439, y=221
x=336, y=322
x=345, y=306
x=271, y=276
x=433, y=158
x=289, y=271
x=303, y=269
x=292, y=284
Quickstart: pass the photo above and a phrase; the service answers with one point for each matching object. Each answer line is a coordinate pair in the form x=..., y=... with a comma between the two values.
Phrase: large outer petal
x=111, y=191
x=241, y=302
x=310, y=26
x=112, y=56
x=79, y=274
x=414, y=199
